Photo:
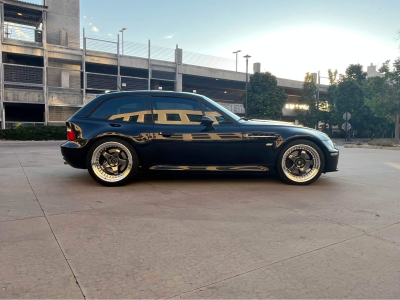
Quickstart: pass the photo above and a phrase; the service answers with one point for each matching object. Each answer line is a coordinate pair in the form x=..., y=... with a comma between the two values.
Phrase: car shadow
x=149, y=176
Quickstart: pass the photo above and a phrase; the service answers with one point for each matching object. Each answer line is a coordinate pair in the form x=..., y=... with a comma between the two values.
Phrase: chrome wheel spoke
x=303, y=155
x=122, y=162
x=116, y=153
x=106, y=155
x=292, y=158
x=115, y=170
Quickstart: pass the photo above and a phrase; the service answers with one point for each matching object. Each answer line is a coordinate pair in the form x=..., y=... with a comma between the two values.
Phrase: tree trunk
x=397, y=129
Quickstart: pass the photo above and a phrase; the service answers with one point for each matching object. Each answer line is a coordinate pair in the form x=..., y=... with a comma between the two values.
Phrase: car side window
x=170, y=110
x=133, y=109
x=215, y=115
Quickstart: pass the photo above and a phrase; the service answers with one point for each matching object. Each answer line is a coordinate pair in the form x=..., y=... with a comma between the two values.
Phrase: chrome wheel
x=301, y=163
x=111, y=161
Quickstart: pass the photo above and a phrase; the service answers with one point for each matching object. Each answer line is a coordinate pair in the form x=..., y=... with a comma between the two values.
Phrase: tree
x=265, y=98
x=328, y=106
x=350, y=96
x=309, y=117
x=356, y=71
x=383, y=94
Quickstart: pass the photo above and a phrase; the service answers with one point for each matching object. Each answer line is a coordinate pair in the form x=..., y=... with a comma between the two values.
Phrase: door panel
x=181, y=139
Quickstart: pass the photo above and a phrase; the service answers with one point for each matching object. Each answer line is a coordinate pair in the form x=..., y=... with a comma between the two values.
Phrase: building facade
x=50, y=68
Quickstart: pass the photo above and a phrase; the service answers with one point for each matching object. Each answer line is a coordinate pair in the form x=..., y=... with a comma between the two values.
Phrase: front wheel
x=300, y=162
x=112, y=162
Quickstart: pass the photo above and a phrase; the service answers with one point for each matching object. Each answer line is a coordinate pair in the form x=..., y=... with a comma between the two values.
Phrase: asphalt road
x=198, y=236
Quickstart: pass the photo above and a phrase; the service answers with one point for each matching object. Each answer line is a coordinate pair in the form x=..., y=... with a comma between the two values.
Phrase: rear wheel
x=112, y=162
x=300, y=162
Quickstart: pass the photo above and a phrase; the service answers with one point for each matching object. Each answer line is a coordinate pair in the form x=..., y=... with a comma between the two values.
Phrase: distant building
x=49, y=68
x=372, y=72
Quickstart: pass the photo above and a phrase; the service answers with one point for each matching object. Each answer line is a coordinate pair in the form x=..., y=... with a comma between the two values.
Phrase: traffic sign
x=346, y=116
x=346, y=126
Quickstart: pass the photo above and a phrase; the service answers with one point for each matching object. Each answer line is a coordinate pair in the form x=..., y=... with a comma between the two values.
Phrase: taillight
x=70, y=135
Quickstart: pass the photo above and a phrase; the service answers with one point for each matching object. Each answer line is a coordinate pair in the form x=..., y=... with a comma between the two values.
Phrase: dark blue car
x=116, y=134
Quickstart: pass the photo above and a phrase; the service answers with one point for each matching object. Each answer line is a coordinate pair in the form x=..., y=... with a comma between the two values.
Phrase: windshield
x=223, y=109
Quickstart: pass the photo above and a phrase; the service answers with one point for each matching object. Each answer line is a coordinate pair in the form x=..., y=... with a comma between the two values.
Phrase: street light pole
x=236, y=52
x=247, y=81
x=122, y=31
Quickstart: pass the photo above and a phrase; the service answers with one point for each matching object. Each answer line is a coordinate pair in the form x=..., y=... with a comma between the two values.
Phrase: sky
x=288, y=37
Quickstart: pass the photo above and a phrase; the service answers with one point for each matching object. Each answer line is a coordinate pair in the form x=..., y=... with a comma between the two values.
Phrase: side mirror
x=206, y=120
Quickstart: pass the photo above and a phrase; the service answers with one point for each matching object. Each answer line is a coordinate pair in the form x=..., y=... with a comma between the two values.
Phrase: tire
x=300, y=162
x=112, y=162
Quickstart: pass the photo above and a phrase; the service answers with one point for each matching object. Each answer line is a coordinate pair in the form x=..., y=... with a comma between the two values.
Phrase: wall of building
x=63, y=17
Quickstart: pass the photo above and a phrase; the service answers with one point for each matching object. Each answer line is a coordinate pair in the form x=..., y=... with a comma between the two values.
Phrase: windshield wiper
x=243, y=118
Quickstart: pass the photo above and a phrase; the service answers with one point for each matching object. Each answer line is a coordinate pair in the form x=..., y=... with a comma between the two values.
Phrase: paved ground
x=187, y=236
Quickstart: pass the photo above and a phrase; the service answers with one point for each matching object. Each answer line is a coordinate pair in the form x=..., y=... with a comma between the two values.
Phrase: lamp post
x=318, y=88
x=247, y=81
x=122, y=31
x=236, y=52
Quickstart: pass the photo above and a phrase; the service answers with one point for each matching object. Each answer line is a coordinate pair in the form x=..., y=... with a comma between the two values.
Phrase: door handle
x=167, y=134
x=115, y=125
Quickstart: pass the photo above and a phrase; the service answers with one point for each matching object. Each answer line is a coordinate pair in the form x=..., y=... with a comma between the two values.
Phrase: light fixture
x=225, y=92
x=160, y=87
x=19, y=14
x=216, y=79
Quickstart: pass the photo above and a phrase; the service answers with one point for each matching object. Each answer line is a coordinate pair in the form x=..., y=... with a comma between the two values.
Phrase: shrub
x=383, y=143
x=36, y=133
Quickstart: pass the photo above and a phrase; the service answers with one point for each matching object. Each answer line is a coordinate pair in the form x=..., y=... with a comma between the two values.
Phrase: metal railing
x=106, y=45
x=209, y=61
x=101, y=82
x=133, y=83
x=23, y=77
x=22, y=33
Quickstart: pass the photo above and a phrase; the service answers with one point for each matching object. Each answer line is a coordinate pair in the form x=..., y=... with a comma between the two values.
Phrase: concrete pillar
x=178, y=83
x=2, y=112
x=257, y=67
x=63, y=16
x=45, y=65
x=178, y=75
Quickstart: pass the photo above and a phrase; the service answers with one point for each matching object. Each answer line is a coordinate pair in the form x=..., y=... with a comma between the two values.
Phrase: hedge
x=37, y=133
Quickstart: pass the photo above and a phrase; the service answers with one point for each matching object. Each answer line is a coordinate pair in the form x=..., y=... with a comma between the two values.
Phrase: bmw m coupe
x=116, y=134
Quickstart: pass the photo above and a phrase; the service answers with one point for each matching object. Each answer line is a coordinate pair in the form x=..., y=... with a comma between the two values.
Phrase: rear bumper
x=331, y=162
x=74, y=155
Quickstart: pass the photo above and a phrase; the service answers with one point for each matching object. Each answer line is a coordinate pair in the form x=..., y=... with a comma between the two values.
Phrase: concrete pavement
x=197, y=236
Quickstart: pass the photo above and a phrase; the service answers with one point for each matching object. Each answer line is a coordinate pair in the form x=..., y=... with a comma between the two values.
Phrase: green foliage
x=37, y=133
x=265, y=98
x=356, y=72
x=309, y=117
x=330, y=114
x=383, y=94
x=349, y=96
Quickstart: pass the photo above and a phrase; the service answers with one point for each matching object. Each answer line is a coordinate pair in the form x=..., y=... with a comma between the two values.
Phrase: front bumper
x=74, y=155
x=332, y=161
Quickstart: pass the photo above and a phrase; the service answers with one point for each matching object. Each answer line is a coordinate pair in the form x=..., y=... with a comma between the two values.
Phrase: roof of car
x=152, y=93
x=84, y=111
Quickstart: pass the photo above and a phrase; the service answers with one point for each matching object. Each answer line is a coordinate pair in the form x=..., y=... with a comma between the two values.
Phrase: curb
x=372, y=147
